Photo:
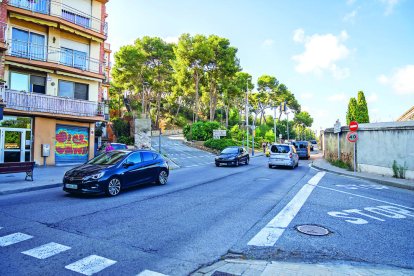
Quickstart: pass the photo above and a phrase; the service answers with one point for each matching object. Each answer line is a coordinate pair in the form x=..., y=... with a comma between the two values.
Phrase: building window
x=27, y=82
x=73, y=90
x=29, y=45
x=73, y=58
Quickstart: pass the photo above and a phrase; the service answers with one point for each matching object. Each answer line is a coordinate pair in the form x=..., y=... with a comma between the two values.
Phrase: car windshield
x=313, y=142
x=118, y=146
x=302, y=145
x=108, y=158
x=280, y=149
x=230, y=150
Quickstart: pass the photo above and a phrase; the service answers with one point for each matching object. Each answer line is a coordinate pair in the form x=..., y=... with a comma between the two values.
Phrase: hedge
x=220, y=144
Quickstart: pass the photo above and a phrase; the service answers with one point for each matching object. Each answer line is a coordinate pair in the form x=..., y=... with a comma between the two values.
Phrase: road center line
x=269, y=235
x=367, y=197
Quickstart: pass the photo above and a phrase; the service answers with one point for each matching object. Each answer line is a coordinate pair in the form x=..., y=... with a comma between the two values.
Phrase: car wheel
x=114, y=187
x=270, y=166
x=247, y=161
x=237, y=163
x=162, y=177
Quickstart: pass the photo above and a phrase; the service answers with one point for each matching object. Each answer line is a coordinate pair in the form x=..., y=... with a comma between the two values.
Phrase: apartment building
x=54, y=78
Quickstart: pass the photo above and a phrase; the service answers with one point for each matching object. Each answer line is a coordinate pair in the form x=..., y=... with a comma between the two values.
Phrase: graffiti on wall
x=72, y=143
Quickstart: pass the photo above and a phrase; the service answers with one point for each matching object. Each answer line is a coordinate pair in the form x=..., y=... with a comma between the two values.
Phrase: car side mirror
x=128, y=164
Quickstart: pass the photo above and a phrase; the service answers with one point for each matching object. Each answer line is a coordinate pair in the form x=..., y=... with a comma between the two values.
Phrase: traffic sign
x=337, y=127
x=353, y=126
x=352, y=137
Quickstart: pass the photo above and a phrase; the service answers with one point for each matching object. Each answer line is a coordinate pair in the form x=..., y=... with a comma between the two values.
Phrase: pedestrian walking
x=264, y=147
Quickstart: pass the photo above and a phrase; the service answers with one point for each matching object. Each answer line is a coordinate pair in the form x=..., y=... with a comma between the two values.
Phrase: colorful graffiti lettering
x=71, y=142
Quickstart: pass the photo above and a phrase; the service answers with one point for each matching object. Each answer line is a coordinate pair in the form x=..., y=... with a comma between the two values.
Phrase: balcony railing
x=36, y=102
x=63, y=56
x=56, y=8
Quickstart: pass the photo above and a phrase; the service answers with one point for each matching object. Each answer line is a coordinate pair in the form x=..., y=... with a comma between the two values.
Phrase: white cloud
x=299, y=35
x=322, y=52
x=337, y=97
x=171, y=39
x=350, y=17
x=401, y=81
x=373, y=97
x=389, y=5
x=268, y=42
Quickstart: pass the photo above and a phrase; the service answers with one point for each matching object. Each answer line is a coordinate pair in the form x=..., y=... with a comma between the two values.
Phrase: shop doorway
x=15, y=145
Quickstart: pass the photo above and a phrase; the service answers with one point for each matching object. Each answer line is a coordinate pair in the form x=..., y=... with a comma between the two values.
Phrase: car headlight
x=94, y=176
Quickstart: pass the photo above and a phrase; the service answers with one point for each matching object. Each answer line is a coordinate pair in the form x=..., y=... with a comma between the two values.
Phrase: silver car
x=283, y=155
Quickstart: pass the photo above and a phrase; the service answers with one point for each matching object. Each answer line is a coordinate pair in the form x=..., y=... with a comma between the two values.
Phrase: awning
x=78, y=76
x=69, y=29
x=28, y=67
x=34, y=20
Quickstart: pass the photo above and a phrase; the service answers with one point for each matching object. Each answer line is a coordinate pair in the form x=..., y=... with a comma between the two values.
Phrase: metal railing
x=63, y=56
x=40, y=6
x=56, y=8
x=35, y=102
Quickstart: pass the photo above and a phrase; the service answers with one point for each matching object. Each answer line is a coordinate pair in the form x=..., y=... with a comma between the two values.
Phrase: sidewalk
x=232, y=267
x=322, y=164
x=43, y=178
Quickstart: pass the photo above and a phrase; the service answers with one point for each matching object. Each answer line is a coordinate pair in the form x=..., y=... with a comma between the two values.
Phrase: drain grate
x=312, y=230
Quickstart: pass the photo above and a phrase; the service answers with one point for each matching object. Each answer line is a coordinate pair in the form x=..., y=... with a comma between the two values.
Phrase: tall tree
x=351, y=114
x=362, y=109
x=192, y=55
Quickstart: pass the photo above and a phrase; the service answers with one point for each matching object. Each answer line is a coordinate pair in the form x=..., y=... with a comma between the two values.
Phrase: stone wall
x=379, y=144
x=142, y=133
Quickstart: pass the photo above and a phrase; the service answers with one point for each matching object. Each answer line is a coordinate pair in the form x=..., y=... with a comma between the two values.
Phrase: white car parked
x=283, y=155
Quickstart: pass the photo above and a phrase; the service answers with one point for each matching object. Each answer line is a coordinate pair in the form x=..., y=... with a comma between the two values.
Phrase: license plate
x=71, y=186
x=223, y=163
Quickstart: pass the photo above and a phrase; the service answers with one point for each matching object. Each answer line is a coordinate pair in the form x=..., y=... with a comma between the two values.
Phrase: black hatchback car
x=110, y=172
x=232, y=156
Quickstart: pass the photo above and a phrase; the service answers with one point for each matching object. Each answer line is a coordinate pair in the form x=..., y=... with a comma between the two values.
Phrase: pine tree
x=362, y=115
x=352, y=111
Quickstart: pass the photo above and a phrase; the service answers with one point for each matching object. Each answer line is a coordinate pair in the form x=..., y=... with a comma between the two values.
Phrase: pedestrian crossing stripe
x=13, y=238
x=47, y=250
x=90, y=265
x=150, y=273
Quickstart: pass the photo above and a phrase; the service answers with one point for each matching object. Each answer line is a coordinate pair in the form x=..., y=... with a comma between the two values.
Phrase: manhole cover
x=313, y=230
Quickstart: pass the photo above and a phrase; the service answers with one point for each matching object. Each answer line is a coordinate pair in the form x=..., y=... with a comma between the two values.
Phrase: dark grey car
x=302, y=149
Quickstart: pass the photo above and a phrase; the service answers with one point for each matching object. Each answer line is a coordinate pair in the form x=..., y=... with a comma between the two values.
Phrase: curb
x=379, y=181
x=30, y=189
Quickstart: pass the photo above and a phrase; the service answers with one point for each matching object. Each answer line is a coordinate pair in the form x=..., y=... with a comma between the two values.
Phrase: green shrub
x=121, y=127
x=399, y=171
x=126, y=140
x=200, y=131
x=340, y=164
x=219, y=144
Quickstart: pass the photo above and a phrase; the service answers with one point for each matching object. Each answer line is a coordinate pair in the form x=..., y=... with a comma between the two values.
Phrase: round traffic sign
x=352, y=137
x=353, y=126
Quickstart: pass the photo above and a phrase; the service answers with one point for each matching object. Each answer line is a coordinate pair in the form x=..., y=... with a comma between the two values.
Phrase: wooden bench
x=18, y=167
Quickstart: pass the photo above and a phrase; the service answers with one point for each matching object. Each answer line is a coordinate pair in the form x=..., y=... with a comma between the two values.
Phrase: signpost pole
x=355, y=156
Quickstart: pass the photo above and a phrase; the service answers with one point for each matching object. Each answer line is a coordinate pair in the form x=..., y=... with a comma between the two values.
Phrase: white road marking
x=46, y=250
x=1, y=227
x=269, y=235
x=13, y=238
x=367, y=197
x=90, y=265
x=150, y=273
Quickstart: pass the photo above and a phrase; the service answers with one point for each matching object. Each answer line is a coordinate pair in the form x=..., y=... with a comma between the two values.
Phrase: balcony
x=62, y=11
x=60, y=56
x=35, y=102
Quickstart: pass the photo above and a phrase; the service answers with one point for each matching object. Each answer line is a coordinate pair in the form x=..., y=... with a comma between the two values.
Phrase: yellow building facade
x=53, y=80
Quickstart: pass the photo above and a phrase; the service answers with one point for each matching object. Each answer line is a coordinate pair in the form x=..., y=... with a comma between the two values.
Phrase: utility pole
x=247, y=114
x=274, y=123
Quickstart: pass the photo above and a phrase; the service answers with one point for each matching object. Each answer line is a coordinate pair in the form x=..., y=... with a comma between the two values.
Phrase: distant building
x=407, y=116
x=54, y=71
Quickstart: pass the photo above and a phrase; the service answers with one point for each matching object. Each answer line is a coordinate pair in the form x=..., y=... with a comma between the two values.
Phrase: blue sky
x=323, y=51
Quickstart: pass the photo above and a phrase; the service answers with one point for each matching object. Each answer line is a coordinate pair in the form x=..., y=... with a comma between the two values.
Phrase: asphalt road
x=183, y=156
x=201, y=214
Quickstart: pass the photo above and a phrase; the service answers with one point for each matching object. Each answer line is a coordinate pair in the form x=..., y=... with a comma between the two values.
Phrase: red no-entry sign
x=353, y=126
x=352, y=137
